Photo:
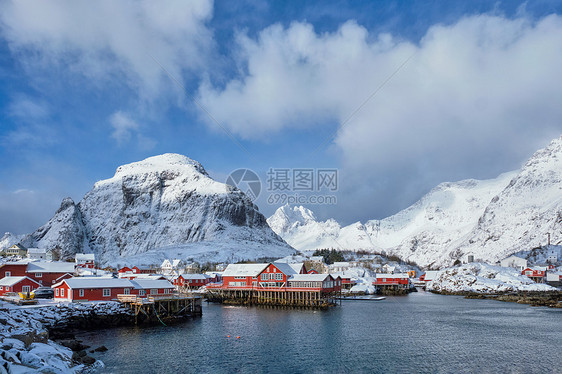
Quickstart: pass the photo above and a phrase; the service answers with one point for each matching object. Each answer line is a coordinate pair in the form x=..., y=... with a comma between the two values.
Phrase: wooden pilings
x=163, y=308
x=314, y=299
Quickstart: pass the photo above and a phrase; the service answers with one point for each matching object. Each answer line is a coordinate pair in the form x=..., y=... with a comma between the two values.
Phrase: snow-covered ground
x=483, y=278
x=23, y=333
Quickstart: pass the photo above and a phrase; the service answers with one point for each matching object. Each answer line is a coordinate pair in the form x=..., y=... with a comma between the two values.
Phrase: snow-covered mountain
x=488, y=219
x=9, y=240
x=162, y=206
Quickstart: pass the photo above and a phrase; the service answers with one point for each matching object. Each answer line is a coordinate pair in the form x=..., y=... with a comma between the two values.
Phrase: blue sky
x=463, y=89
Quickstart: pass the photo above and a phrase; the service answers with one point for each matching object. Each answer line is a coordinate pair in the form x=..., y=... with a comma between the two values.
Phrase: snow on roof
x=430, y=274
x=317, y=258
x=145, y=276
x=285, y=268
x=96, y=282
x=10, y=281
x=192, y=276
x=297, y=267
x=151, y=283
x=340, y=264
x=22, y=262
x=50, y=267
x=85, y=257
x=309, y=277
x=398, y=275
x=516, y=256
x=36, y=250
x=244, y=270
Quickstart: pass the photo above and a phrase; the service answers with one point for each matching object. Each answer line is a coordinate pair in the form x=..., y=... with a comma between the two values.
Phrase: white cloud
x=477, y=97
x=25, y=108
x=32, y=127
x=126, y=129
x=106, y=39
x=123, y=126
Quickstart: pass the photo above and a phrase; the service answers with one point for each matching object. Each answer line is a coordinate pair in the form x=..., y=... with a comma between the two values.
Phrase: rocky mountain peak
x=154, y=205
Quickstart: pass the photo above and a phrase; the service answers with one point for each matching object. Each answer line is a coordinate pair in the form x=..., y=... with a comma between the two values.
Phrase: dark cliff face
x=64, y=232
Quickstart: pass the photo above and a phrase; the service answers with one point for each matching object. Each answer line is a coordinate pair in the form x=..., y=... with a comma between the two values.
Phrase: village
x=29, y=274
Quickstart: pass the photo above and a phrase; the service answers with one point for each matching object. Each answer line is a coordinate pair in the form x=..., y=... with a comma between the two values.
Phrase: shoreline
x=551, y=299
x=42, y=338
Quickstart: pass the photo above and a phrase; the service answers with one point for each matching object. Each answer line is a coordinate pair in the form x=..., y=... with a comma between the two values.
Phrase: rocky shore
x=42, y=339
x=552, y=299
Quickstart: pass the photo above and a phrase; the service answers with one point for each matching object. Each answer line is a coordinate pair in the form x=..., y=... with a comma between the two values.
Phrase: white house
x=552, y=257
x=514, y=262
x=386, y=268
x=85, y=260
x=170, y=267
x=338, y=267
x=39, y=254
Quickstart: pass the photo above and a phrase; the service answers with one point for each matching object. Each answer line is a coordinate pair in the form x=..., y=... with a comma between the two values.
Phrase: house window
x=279, y=276
x=153, y=291
x=8, y=273
x=38, y=275
x=142, y=292
x=26, y=289
x=127, y=291
x=81, y=293
x=1, y=288
x=106, y=292
x=264, y=276
x=56, y=292
x=62, y=292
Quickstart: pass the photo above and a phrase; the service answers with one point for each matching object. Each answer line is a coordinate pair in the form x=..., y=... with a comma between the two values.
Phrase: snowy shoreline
x=26, y=336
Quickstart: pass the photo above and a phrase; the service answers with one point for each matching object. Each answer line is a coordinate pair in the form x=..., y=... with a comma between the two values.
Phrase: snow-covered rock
x=521, y=215
x=488, y=219
x=38, y=354
x=9, y=239
x=483, y=278
x=166, y=202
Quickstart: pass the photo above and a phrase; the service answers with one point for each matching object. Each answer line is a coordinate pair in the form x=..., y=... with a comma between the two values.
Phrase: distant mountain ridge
x=488, y=219
x=162, y=206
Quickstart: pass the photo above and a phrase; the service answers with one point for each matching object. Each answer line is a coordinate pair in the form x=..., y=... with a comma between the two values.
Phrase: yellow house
x=15, y=250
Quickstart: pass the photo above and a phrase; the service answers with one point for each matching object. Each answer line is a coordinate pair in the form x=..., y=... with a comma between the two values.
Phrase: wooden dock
x=163, y=308
x=284, y=297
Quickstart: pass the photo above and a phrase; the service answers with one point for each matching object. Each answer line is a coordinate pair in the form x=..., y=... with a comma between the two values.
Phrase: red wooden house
x=275, y=277
x=17, y=284
x=125, y=269
x=536, y=273
x=13, y=269
x=392, y=280
x=347, y=282
x=325, y=283
x=428, y=276
x=103, y=289
x=49, y=272
x=143, y=270
x=240, y=276
x=191, y=280
x=85, y=260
